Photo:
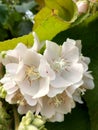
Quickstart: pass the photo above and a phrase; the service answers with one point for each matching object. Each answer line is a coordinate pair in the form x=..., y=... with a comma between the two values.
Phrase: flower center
x=81, y=91
x=32, y=73
x=18, y=98
x=58, y=99
x=59, y=65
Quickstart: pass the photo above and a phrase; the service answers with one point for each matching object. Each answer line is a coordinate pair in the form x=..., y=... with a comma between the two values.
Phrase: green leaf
x=25, y=6
x=55, y=17
x=10, y=44
x=48, y=24
x=66, y=8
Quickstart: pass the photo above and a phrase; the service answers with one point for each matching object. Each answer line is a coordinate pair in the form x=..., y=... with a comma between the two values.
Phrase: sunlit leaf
x=48, y=23
x=54, y=18
x=66, y=8
x=10, y=44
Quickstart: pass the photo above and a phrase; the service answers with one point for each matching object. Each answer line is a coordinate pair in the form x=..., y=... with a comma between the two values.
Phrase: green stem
x=16, y=118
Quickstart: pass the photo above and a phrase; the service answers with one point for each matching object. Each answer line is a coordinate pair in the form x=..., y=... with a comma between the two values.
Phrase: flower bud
x=32, y=122
x=38, y=122
x=29, y=115
x=3, y=53
x=2, y=92
x=82, y=6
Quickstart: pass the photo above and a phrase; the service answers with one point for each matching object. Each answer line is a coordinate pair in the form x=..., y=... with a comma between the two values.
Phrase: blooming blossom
x=64, y=61
x=23, y=68
x=55, y=108
x=48, y=84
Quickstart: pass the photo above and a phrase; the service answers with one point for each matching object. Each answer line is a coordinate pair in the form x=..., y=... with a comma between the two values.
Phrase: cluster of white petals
x=48, y=83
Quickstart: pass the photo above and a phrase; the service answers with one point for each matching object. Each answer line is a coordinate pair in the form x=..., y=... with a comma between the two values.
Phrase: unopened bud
x=30, y=115
x=32, y=122
x=2, y=92
x=38, y=122
x=3, y=53
x=82, y=6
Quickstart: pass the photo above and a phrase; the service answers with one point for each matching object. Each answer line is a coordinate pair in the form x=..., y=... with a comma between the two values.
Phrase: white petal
x=11, y=68
x=9, y=98
x=20, y=72
x=43, y=88
x=71, y=89
x=85, y=62
x=31, y=58
x=48, y=110
x=57, y=117
x=52, y=51
x=23, y=109
x=70, y=52
x=77, y=97
x=74, y=74
x=20, y=50
x=54, y=91
x=29, y=88
x=5, y=79
x=37, y=45
x=30, y=100
x=68, y=45
x=45, y=70
x=10, y=87
x=59, y=82
x=66, y=106
x=88, y=81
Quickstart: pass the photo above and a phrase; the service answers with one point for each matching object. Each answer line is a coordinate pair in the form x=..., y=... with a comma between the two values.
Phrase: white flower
x=55, y=108
x=48, y=84
x=23, y=72
x=64, y=61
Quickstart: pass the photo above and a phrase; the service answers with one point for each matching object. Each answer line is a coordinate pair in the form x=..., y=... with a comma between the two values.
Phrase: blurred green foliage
x=13, y=20
x=13, y=24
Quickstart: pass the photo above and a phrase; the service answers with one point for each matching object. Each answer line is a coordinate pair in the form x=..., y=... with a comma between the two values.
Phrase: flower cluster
x=47, y=83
